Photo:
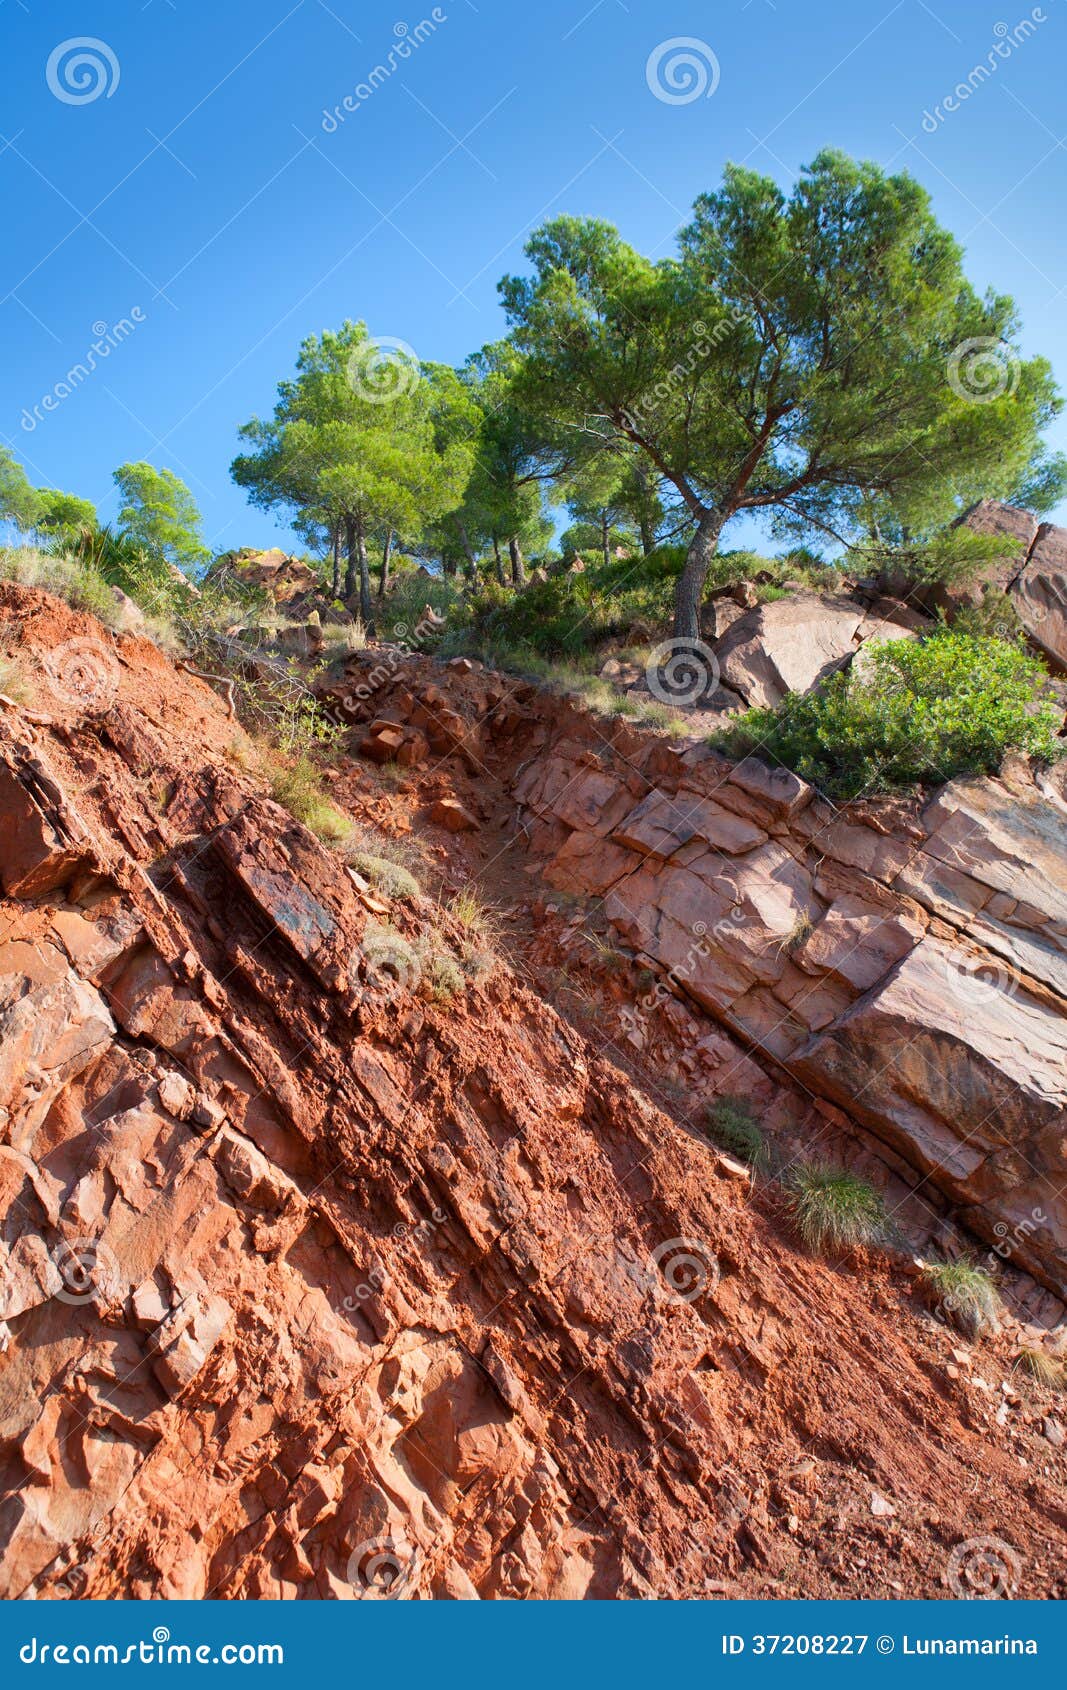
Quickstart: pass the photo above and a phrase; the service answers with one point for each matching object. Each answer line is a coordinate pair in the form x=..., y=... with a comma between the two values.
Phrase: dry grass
x=964, y=1294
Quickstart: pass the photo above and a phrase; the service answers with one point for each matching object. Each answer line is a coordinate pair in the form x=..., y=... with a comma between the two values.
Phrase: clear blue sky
x=205, y=192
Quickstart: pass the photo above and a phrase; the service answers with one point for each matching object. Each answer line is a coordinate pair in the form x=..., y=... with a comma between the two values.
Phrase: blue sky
x=201, y=197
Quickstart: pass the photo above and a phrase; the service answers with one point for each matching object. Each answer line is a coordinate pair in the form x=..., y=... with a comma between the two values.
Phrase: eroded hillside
x=324, y=1279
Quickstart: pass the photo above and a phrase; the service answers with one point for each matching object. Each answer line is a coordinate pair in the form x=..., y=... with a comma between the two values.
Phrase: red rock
x=451, y=814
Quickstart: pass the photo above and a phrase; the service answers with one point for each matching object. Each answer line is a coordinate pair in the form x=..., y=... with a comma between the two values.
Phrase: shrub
x=443, y=977
x=732, y=1126
x=299, y=789
x=833, y=1210
x=915, y=711
x=386, y=876
x=78, y=584
x=964, y=1294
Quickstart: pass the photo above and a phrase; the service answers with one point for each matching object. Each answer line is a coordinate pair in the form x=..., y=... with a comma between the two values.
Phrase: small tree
x=371, y=440
x=63, y=516
x=18, y=499
x=796, y=354
x=159, y=513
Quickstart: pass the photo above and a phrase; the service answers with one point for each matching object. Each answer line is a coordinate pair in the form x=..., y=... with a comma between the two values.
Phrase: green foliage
x=63, y=515
x=955, y=556
x=18, y=498
x=299, y=789
x=362, y=442
x=732, y=1125
x=911, y=712
x=386, y=876
x=964, y=1294
x=78, y=584
x=796, y=355
x=834, y=1211
x=159, y=513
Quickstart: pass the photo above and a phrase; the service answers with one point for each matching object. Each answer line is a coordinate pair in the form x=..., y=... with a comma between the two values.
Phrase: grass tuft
x=835, y=1211
x=300, y=790
x=731, y=1125
x=964, y=1294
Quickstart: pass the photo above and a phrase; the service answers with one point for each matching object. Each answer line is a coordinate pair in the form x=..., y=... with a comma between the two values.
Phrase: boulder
x=787, y=646
x=1039, y=593
x=989, y=516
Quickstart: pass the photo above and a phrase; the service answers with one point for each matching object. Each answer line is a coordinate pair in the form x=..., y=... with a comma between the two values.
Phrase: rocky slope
x=317, y=1286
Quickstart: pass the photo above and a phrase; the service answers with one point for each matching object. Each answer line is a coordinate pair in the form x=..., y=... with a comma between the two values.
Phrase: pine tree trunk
x=383, y=584
x=689, y=591
x=518, y=573
x=500, y=575
x=648, y=538
x=364, y=573
x=335, y=587
x=605, y=540
x=351, y=560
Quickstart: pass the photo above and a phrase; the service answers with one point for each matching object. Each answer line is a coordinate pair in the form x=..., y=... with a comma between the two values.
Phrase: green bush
x=67, y=578
x=386, y=876
x=914, y=711
x=299, y=790
x=732, y=1126
x=964, y=1294
x=833, y=1210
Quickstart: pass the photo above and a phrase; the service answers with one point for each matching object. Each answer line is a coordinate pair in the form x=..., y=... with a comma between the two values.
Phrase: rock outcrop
x=314, y=1285
x=906, y=960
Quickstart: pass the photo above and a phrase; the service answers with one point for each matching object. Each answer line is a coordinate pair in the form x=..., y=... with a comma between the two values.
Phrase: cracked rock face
x=308, y=1291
